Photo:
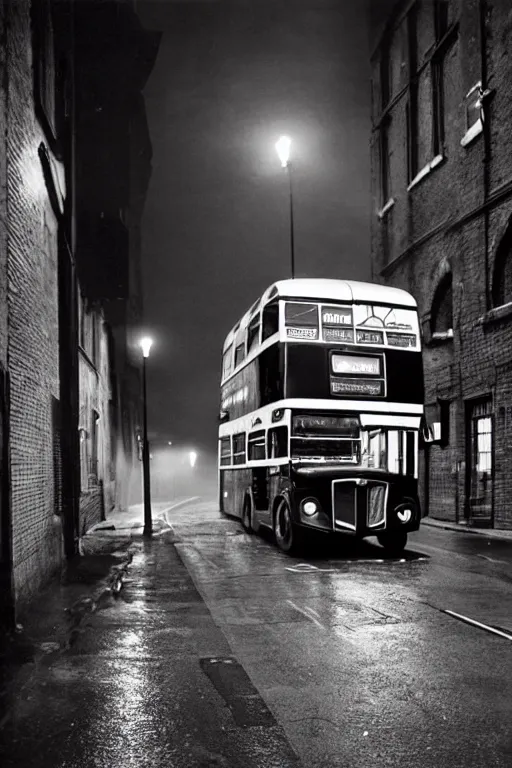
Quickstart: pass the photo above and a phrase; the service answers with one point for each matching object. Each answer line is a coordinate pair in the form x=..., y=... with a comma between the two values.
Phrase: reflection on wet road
x=360, y=656
x=222, y=651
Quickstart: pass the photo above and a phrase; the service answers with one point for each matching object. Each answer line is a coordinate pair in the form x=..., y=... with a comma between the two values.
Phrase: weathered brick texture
x=453, y=221
x=32, y=322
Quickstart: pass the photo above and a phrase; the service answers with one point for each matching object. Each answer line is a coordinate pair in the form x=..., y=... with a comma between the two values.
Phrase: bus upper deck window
x=301, y=320
x=270, y=320
x=253, y=332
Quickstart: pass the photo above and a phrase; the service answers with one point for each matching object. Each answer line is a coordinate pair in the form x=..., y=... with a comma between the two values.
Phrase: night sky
x=230, y=78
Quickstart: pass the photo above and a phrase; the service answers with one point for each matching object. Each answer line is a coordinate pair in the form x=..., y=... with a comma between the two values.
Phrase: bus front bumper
x=362, y=507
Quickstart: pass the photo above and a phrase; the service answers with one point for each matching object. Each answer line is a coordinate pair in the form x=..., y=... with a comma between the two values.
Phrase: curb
x=108, y=587
x=490, y=533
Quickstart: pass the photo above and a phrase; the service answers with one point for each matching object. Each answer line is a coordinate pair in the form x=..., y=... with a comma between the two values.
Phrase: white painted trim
x=390, y=203
x=471, y=134
x=426, y=170
x=400, y=422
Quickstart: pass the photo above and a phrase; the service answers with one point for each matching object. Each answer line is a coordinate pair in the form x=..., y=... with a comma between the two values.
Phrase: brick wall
x=32, y=322
x=453, y=219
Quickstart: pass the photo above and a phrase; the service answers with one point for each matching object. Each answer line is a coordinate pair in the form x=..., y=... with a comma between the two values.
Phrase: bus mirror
x=223, y=416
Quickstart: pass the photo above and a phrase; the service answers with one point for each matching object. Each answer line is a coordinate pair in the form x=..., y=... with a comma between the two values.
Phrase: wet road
x=221, y=651
x=355, y=654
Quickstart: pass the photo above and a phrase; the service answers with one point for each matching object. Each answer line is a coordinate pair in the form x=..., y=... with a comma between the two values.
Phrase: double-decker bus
x=321, y=406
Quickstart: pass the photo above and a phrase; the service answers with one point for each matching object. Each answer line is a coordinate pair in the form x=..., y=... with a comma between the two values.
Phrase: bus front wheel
x=393, y=543
x=285, y=532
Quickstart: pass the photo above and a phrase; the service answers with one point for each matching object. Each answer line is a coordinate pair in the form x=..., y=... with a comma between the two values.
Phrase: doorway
x=480, y=462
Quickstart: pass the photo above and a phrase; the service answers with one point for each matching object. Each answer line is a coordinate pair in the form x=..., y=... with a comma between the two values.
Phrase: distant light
x=170, y=442
x=193, y=458
x=283, y=150
x=145, y=344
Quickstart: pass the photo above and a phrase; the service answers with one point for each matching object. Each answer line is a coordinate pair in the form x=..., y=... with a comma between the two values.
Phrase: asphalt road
x=220, y=651
x=366, y=661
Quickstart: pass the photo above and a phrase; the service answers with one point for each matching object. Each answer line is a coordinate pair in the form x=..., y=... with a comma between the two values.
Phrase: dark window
x=239, y=448
x=442, y=307
x=385, y=85
x=257, y=445
x=239, y=354
x=385, y=178
x=277, y=442
x=437, y=106
x=253, y=333
x=502, y=280
x=444, y=414
x=441, y=18
x=44, y=64
x=227, y=362
x=301, y=314
x=412, y=134
x=225, y=451
x=270, y=320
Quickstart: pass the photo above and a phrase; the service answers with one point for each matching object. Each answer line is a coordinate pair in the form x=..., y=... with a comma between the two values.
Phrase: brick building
x=69, y=384
x=442, y=229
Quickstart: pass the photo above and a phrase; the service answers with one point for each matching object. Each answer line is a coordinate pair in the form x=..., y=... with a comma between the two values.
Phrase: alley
x=221, y=651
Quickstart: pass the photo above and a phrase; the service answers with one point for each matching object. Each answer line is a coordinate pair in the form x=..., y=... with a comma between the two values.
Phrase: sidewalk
x=134, y=671
x=491, y=533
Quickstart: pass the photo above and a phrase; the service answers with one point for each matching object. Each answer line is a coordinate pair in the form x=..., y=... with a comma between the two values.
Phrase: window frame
x=225, y=440
x=444, y=288
x=253, y=332
x=252, y=437
x=283, y=428
x=239, y=456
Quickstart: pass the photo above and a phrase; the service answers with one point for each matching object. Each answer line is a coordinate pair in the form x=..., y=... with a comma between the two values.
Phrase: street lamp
x=283, y=152
x=145, y=345
x=192, y=458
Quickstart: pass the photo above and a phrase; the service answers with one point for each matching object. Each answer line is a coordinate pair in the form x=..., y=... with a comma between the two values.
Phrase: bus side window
x=278, y=442
x=225, y=451
x=270, y=320
x=239, y=448
x=227, y=362
x=239, y=354
x=256, y=442
x=253, y=332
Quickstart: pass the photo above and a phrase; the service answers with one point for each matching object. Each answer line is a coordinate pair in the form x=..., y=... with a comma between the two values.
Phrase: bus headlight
x=404, y=515
x=310, y=507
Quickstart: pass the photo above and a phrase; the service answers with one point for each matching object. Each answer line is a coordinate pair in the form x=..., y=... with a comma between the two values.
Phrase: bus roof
x=320, y=289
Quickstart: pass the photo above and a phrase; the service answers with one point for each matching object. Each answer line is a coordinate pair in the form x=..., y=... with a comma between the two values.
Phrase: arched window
x=502, y=278
x=441, y=315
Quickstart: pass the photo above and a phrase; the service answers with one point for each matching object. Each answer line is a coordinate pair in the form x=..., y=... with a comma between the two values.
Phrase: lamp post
x=145, y=345
x=283, y=152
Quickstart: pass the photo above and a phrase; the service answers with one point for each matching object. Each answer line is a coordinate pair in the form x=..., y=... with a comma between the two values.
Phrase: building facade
x=69, y=278
x=442, y=229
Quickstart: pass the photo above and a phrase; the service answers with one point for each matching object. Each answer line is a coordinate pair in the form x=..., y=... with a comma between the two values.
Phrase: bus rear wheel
x=247, y=516
x=286, y=533
x=393, y=543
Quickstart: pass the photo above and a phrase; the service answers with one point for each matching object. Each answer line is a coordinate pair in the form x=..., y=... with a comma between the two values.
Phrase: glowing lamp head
x=310, y=507
x=145, y=344
x=283, y=150
x=192, y=458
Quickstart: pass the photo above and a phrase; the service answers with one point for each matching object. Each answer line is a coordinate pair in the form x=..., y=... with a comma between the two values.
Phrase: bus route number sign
x=302, y=333
x=361, y=387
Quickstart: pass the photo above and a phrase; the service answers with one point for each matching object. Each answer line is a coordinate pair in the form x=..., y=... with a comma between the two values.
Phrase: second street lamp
x=145, y=344
x=283, y=151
